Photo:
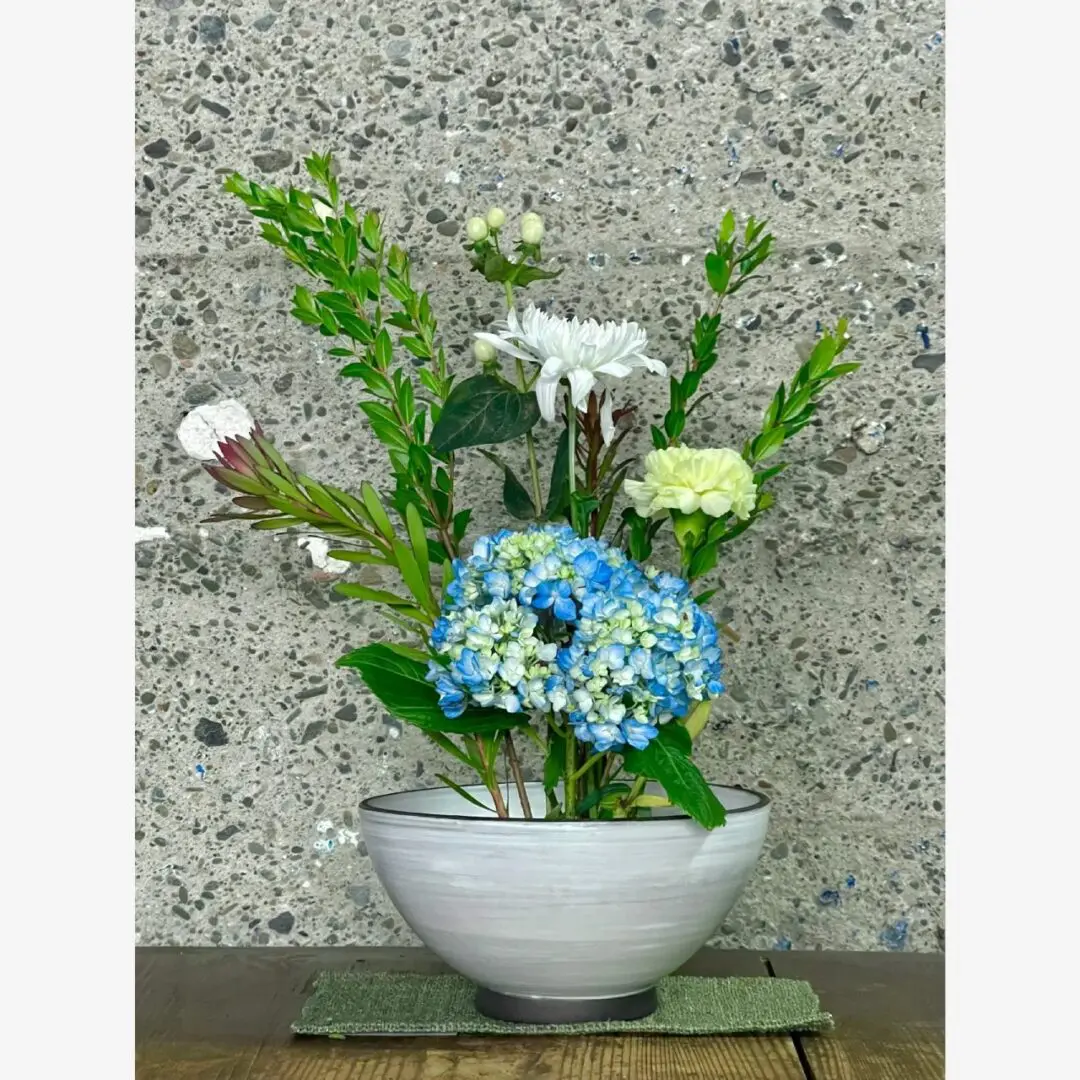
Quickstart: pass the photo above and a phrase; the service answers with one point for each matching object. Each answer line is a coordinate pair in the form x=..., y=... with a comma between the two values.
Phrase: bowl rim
x=367, y=806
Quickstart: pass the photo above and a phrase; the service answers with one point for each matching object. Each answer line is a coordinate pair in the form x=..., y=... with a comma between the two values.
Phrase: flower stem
x=487, y=772
x=519, y=779
x=530, y=446
x=635, y=790
x=570, y=786
x=530, y=442
x=587, y=766
x=571, y=438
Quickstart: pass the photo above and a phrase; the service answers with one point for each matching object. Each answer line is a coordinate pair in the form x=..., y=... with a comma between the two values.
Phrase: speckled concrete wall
x=629, y=126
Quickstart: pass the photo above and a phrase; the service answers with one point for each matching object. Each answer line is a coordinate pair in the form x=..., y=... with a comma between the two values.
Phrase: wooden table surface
x=224, y=1014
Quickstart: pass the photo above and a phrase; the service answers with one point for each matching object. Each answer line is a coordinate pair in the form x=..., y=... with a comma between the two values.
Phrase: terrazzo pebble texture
x=629, y=127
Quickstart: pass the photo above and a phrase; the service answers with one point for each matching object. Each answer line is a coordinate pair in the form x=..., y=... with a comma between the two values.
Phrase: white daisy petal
x=581, y=382
x=503, y=345
x=547, y=392
x=615, y=368
x=607, y=424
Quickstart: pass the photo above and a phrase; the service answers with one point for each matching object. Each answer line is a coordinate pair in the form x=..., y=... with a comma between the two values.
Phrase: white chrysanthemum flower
x=586, y=354
x=717, y=482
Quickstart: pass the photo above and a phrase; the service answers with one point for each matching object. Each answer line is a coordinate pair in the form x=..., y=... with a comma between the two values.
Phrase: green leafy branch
x=790, y=410
x=273, y=496
x=729, y=267
x=348, y=253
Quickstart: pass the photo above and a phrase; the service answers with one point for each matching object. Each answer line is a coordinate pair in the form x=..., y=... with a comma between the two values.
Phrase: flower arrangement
x=553, y=632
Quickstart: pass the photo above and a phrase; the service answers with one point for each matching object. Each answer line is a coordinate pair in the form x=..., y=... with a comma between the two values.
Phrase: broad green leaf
x=482, y=410
x=823, y=354
x=369, y=232
x=768, y=442
x=497, y=268
x=400, y=684
x=727, y=226
x=528, y=274
x=461, y=522
x=666, y=760
x=703, y=561
x=638, y=541
x=718, y=271
x=765, y=475
x=384, y=350
x=516, y=498
x=554, y=762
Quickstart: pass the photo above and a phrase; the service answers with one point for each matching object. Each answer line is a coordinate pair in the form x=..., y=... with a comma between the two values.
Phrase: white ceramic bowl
x=572, y=911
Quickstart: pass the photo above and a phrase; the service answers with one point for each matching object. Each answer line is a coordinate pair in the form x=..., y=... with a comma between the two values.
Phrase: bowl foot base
x=545, y=1010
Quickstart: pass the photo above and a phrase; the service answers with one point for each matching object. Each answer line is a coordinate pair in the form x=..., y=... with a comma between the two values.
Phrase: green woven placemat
x=385, y=1003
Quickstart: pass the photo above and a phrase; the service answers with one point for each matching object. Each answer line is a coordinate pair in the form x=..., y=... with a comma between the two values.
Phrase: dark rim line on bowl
x=762, y=800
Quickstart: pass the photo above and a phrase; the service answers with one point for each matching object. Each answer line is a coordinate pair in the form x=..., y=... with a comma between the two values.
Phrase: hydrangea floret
x=545, y=620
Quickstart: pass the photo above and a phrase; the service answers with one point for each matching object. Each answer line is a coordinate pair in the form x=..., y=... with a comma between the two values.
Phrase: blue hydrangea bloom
x=543, y=620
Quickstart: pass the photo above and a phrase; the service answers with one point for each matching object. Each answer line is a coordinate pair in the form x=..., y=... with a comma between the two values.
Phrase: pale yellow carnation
x=716, y=482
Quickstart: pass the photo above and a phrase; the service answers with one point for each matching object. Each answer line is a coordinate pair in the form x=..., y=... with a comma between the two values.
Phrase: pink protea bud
x=231, y=454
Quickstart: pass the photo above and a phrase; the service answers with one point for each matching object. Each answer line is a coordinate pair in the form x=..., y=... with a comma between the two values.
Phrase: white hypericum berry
x=532, y=228
x=483, y=351
x=476, y=229
x=496, y=217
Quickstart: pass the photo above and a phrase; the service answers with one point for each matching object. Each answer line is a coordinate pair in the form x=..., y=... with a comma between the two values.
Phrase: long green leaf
x=345, y=555
x=413, y=577
x=376, y=511
x=666, y=759
x=463, y=793
x=324, y=502
x=418, y=539
x=558, y=490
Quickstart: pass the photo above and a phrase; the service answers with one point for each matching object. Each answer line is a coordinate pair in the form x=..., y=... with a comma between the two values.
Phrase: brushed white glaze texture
x=560, y=909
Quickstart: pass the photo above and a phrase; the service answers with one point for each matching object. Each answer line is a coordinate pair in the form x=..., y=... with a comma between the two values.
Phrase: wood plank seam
x=796, y=1038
